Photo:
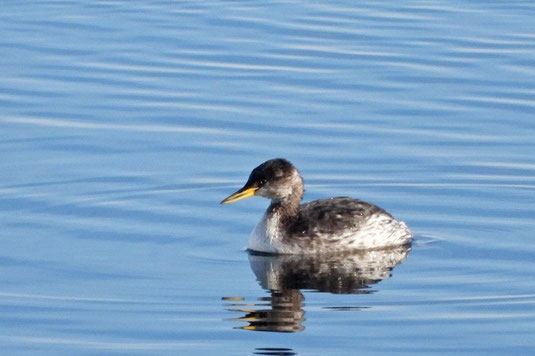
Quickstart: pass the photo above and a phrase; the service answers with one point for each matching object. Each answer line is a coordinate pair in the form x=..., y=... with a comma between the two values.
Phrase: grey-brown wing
x=333, y=216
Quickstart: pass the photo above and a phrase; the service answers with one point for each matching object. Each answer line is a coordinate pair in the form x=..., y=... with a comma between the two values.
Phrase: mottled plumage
x=321, y=226
x=326, y=216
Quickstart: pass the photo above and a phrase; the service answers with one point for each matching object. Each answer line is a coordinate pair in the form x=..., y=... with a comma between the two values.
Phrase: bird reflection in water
x=284, y=276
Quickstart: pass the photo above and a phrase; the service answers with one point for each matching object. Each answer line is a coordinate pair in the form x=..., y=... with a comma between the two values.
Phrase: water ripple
x=125, y=123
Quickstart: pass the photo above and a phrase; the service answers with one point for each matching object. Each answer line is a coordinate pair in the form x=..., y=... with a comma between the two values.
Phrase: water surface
x=125, y=123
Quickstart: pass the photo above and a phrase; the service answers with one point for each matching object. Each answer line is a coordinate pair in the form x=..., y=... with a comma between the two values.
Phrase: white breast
x=266, y=236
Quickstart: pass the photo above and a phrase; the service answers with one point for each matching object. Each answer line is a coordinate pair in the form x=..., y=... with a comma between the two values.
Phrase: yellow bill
x=243, y=193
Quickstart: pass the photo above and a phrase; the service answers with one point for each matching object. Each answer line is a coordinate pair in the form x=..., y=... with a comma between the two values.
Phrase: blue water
x=123, y=124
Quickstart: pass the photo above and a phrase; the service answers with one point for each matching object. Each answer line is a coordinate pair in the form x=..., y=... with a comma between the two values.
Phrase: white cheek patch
x=293, y=185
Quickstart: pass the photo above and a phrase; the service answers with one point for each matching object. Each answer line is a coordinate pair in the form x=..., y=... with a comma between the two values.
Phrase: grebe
x=321, y=226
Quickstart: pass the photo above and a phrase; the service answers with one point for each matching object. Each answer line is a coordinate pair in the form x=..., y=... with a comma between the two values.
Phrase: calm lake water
x=124, y=123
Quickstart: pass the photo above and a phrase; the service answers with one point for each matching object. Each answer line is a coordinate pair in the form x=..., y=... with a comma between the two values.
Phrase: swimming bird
x=322, y=226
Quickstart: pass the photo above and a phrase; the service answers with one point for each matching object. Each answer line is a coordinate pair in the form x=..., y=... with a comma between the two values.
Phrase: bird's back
x=344, y=223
